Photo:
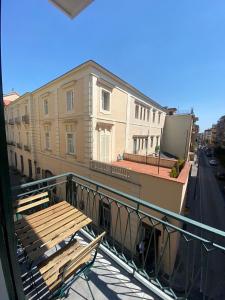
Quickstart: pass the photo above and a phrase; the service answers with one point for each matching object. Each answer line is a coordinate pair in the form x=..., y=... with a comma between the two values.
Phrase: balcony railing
x=109, y=169
x=18, y=120
x=19, y=145
x=177, y=255
x=11, y=121
x=26, y=148
x=25, y=119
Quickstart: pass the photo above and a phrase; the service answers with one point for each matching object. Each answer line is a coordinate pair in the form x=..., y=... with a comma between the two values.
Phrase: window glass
x=70, y=143
x=69, y=100
x=136, y=111
x=45, y=107
x=105, y=100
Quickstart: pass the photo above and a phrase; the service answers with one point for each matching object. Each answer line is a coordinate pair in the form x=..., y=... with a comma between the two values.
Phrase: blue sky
x=173, y=51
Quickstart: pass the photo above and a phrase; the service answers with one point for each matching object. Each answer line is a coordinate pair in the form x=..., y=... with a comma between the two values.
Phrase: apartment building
x=180, y=134
x=91, y=122
x=220, y=132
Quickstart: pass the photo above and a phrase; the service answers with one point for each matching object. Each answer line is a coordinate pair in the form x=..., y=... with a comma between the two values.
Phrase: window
x=146, y=143
x=141, y=113
x=26, y=110
x=19, y=139
x=69, y=100
x=153, y=118
x=105, y=100
x=157, y=141
x=136, y=111
x=28, y=138
x=144, y=114
x=105, y=215
x=47, y=140
x=70, y=143
x=135, y=146
x=148, y=115
x=152, y=138
x=105, y=146
x=142, y=143
x=159, y=117
x=46, y=107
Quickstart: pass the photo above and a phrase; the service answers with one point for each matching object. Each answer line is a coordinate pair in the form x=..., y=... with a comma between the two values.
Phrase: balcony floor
x=107, y=280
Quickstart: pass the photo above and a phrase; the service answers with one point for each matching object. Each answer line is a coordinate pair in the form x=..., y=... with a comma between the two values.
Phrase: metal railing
x=25, y=119
x=11, y=121
x=19, y=145
x=26, y=148
x=109, y=169
x=18, y=120
x=173, y=252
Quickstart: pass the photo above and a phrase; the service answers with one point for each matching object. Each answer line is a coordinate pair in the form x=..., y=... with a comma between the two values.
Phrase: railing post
x=69, y=188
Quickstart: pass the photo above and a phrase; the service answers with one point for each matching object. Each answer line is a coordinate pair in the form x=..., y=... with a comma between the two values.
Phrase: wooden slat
x=20, y=223
x=48, y=263
x=51, y=236
x=73, y=261
x=29, y=199
x=25, y=207
x=40, y=251
x=69, y=273
x=32, y=235
x=33, y=225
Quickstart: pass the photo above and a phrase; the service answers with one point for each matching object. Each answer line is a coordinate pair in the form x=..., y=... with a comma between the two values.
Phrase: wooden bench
x=22, y=205
x=60, y=269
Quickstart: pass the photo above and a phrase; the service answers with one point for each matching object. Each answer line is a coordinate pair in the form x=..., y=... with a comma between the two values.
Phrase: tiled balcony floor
x=106, y=280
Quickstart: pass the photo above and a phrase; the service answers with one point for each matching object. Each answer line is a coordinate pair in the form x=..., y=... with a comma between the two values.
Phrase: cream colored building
x=83, y=122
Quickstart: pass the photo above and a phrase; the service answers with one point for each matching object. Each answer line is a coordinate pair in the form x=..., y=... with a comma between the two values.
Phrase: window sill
x=105, y=112
x=73, y=155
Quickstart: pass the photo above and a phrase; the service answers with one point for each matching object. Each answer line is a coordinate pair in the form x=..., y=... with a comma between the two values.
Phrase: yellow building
x=85, y=122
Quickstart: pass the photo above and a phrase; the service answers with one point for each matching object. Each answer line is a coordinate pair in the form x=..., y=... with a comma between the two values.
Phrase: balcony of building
x=25, y=119
x=147, y=253
x=18, y=120
x=19, y=145
x=130, y=164
x=27, y=148
x=11, y=121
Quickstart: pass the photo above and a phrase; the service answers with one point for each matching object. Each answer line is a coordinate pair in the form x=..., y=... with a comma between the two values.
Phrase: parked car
x=220, y=175
x=213, y=162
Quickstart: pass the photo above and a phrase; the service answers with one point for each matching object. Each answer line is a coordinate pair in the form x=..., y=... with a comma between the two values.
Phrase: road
x=202, y=268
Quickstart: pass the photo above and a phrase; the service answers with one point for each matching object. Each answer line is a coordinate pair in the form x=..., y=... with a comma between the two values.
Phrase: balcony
x=11, y=143
x=19, y=145
x=179, y=253
x=11, y=121
x=25, y=119
x=18, y=120
x=26, y=148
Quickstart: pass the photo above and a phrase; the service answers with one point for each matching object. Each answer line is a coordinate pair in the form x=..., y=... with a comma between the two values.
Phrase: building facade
x=85, y=122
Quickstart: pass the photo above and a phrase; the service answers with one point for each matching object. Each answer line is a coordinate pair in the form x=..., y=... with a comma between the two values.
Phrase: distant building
x=179, y=134
x=10, y=97
x=208, y=136
x=220, y=132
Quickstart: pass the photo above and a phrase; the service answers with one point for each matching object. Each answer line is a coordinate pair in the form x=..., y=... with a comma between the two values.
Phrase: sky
x=173, y=51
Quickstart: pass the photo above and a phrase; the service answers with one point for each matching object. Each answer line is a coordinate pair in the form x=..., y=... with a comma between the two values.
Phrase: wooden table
x=45, y=229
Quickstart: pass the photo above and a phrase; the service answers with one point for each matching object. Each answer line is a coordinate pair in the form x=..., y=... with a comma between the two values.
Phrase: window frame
x=153, y=115
x=49, y=141
x=67, y=144
x=101, y=101
x=136, y=114
x=72, y=102
x=44, y=107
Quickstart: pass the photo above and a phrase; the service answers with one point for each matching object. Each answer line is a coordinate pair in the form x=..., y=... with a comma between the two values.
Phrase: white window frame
x=148, y=115
x=153, y=116
x=72, y=102
x=159, y=117
x=136, y=114
x=67, y=148
x=101, y=103
x=44, y=107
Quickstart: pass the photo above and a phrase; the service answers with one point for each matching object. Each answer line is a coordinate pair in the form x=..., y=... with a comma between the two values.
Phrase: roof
x=109, y=73
x=6, y=102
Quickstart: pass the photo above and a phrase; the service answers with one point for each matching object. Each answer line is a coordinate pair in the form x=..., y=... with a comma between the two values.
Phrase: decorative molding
x=68, y=84
x=103, y=82
x=45, y=95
